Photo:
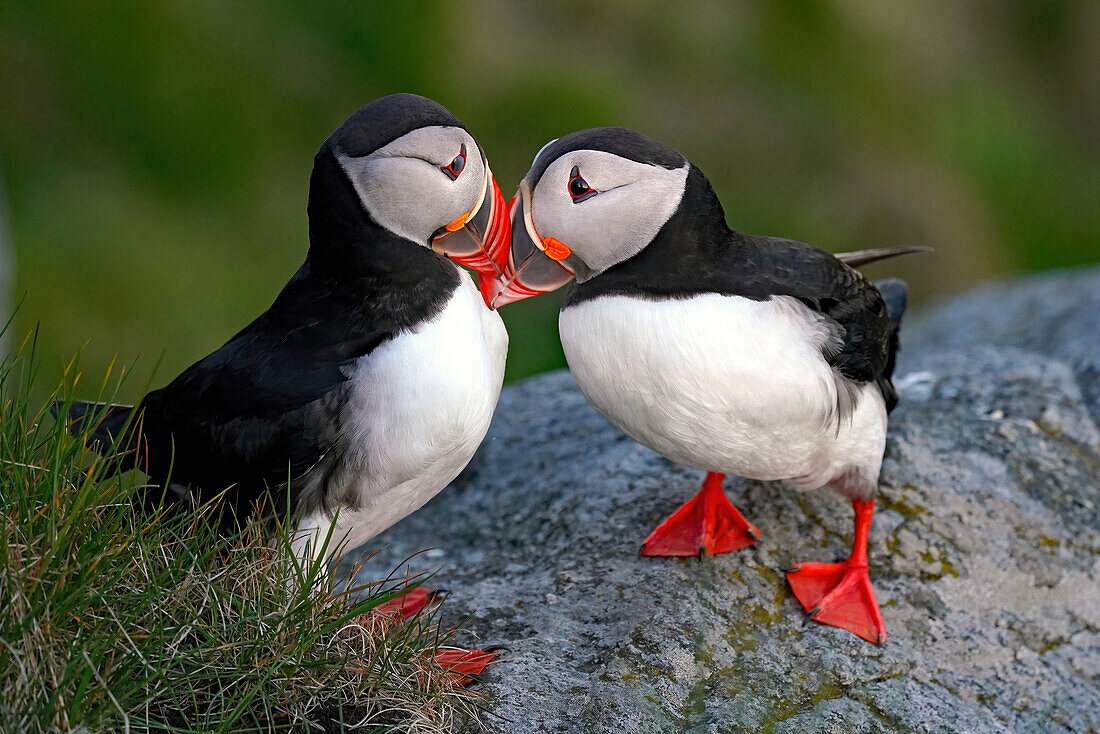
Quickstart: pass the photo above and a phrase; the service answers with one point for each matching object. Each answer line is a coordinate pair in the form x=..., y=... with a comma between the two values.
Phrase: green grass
x=116, y=620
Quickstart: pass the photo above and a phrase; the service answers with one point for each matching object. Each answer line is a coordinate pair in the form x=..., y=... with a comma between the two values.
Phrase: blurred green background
x=156, y=154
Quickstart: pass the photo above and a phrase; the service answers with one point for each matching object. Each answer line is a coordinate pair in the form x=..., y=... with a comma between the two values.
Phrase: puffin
x=370, y=381
x=759, y=357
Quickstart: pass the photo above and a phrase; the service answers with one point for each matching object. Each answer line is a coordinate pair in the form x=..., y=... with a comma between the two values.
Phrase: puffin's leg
x=840, y=594
x=707, y=523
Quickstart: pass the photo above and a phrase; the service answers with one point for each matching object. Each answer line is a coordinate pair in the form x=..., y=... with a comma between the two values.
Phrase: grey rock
x=985, y=553
x=1054, y=314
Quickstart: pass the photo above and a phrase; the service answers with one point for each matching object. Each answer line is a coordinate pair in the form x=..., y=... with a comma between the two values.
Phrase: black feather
x=102, y=423
x=896, y=295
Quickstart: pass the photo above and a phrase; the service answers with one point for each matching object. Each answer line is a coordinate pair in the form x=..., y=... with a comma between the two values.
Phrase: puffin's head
x=419, y=173
x=591, y=200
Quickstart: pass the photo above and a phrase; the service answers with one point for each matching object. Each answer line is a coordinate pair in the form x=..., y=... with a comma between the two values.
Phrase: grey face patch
x=403, y=187
x=634, y=202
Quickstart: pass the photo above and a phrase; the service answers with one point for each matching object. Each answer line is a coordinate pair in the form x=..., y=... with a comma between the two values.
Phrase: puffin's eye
x=578, y=187
x=454, y=168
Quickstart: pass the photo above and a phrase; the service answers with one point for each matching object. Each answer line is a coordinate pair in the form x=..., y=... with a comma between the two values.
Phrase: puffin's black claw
x=497, y=648
x=702, y=552
x=881, y=638
x=813, y=612
x=794, y=569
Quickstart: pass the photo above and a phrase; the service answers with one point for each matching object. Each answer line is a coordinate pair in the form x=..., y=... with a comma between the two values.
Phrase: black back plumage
x=265, y=407
x=696, y=252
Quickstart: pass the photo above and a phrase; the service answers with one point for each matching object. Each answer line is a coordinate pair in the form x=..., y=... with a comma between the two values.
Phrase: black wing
x=769, y=265
x=787, y=267
x=262, y=408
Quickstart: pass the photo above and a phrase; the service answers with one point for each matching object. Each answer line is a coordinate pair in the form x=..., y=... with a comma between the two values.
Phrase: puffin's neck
x=698, y=228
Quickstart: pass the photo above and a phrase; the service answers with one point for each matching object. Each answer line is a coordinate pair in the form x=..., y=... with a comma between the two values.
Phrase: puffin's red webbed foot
x=707, y=523
x=411, y=602
x=840, y=594
x=463, y=666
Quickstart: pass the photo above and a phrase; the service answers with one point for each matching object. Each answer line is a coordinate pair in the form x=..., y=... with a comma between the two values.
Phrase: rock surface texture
x=985, y=553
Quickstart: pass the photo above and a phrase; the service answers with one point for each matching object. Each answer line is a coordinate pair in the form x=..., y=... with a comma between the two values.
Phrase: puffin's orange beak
x=480, y=238
x=535, y=265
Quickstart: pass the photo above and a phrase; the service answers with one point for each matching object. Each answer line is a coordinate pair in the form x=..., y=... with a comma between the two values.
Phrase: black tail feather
x=896, y=295
x=101, y=425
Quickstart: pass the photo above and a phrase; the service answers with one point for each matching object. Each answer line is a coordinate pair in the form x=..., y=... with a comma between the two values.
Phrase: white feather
x=727, y=384
x=419, y=407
